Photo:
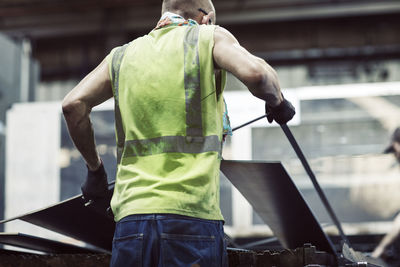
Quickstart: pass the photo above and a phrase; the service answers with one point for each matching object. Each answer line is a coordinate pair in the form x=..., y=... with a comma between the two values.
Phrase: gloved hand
x=96, y=184
x=282, y=113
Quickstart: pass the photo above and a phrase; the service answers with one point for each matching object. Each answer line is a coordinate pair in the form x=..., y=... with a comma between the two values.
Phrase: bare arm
x=94, y=89
x=259, y=77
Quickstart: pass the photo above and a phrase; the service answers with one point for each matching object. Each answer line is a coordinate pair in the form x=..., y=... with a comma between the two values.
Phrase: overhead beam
x=82, y=17
x=314, y=11
x=280, y=43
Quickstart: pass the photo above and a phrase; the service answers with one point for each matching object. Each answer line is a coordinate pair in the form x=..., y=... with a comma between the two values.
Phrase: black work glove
x=96, y=184
x=282, y=113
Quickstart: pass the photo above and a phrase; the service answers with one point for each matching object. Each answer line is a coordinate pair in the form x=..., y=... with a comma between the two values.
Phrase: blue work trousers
x=167, y=240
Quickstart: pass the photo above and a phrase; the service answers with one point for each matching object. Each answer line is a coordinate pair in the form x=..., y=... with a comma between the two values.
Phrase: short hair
x=189, y=9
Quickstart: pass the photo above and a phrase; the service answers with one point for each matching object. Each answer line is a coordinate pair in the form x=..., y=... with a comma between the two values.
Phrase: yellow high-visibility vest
x=168, y=112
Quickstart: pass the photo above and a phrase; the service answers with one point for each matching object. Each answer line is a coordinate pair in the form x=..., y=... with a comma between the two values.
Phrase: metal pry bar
x=247, y=123
x=310, y=173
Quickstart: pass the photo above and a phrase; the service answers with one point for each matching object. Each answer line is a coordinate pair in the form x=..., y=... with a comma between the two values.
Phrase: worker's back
x=169, y=124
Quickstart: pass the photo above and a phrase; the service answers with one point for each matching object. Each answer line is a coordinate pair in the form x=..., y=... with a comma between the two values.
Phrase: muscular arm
x=259, y=77
x=94, y=89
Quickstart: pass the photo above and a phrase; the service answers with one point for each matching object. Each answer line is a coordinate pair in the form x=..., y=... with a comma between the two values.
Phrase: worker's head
x=394, y=146
x=202, y=11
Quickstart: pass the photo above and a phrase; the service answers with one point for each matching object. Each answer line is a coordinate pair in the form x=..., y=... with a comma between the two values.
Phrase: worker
x=394, y=146
x=389, y=247
x=168, y=92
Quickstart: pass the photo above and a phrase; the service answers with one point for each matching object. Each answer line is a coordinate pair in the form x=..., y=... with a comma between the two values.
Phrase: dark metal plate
x=71, y=217
x=41, y=244
x=276, y=199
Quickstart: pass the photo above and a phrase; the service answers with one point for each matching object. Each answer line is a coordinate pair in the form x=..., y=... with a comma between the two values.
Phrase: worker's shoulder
x=222, y=34
x=221, y=30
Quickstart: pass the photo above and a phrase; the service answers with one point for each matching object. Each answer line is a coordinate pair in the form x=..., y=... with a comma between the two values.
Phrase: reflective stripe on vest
x=194, y=142
x=194, y=123
x=116, y=64
x=172, y=144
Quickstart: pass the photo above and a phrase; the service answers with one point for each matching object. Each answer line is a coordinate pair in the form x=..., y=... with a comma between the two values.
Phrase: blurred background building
x=338, y=61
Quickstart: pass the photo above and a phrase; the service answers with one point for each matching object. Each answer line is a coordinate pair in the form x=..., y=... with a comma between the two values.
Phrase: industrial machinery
x=271, y=192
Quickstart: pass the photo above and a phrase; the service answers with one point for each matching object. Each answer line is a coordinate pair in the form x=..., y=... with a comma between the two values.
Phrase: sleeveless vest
x=168, y=117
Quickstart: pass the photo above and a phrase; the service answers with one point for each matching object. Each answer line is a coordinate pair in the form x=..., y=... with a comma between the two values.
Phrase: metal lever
x=310, y=173
x=247, y=123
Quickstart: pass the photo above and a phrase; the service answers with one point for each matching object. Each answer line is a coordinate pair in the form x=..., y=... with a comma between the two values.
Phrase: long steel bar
x=310, y=173
x=247, y=123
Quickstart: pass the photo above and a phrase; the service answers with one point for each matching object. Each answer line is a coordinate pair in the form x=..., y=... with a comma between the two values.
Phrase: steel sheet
x=276, y=199
x=72, y=218
x=41, y=244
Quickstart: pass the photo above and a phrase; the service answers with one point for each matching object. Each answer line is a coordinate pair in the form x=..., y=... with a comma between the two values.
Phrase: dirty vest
x=168, y=112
